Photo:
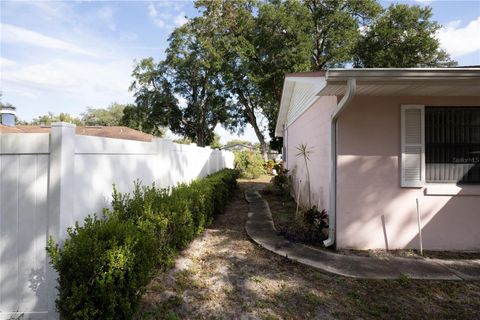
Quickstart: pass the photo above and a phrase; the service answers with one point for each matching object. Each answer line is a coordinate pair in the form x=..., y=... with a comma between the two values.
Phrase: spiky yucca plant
x=304, y=152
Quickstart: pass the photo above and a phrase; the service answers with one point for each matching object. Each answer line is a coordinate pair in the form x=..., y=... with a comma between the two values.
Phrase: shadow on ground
x=223, y=275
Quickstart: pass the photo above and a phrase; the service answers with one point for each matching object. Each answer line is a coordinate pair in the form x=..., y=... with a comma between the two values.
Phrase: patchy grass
x=223, y=275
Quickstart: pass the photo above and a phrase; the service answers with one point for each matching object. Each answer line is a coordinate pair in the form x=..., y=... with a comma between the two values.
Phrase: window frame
x=421, y=181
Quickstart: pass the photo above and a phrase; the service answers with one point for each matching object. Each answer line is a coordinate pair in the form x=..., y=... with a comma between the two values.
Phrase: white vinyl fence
x=49, y=181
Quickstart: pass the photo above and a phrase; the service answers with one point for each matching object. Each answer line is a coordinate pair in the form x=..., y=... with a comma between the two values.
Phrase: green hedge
x=105, y=265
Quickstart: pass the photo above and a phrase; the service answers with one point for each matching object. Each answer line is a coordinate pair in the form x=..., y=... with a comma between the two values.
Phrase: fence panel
x=49, y=181
x=23, y=226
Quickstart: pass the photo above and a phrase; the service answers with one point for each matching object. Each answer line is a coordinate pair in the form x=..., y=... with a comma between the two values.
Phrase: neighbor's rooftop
x=116, y=132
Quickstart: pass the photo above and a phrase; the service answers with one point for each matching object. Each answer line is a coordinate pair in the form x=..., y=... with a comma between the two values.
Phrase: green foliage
x=140, y=118
x=156, y=105
x=316, y=219
x=183, y=141
x=268, y=166
x=50, y=118
x=230, y=61
x=402, y=37
x=216, y=144
x=110, y=116
x=336, y=29
x=105, y=265
x=190, y=71
x=284, y=45
x=282, y=180
x=101, y=268
x=253, y=46
x=278, y=167
x=249, y=164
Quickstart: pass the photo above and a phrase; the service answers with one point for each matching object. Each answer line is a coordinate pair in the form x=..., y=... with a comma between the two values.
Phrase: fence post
x=61, y=179
x=60, y=194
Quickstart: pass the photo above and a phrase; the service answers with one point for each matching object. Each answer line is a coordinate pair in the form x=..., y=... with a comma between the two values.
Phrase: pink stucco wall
x=311, y=128
x=373, y=211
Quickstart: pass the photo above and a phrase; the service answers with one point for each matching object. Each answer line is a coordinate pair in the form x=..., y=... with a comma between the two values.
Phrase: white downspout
x=349, y=94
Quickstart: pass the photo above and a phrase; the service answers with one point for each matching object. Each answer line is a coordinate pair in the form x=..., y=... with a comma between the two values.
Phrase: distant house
x=116, y=132
x=381, y=139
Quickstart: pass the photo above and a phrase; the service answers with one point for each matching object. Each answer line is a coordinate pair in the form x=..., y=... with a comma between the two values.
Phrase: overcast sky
x=65, y=56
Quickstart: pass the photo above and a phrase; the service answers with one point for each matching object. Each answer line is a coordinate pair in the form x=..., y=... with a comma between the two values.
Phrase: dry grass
x=223, y=275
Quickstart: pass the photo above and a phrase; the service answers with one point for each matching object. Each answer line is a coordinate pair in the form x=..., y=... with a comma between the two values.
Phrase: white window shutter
x=413, y=146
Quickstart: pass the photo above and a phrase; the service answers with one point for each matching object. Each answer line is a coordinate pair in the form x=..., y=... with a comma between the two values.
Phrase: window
x=440, y=145
x=452, y=144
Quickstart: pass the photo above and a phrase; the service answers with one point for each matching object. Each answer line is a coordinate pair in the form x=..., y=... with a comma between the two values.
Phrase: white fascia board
x=337, y=78
x=302, y=102
x=404, y=74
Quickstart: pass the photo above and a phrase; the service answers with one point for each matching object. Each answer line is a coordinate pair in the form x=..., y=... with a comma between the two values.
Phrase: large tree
x=336, y=26
x=184, y=92
x=110, y=116
x=228, y=64
x=402, y=36
x=258, y=43
x=283, y=41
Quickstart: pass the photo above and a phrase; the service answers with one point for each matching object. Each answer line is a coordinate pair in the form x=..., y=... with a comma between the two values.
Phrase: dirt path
x=223, y=275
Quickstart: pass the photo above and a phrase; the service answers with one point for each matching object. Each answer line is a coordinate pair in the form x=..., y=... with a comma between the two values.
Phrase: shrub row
x=105, y=265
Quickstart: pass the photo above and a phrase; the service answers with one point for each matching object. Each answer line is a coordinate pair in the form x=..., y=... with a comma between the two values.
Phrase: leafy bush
x=316, y=219
x=282, y=181
x=105, y=265
x=249, y=164
x=268, y=166
x=278, y=167
x=102, y=266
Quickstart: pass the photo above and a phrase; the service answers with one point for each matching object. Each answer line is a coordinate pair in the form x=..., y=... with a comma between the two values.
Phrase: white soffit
x=406, y=89
x=405, y=82
x=304, y=95
x=299, y=93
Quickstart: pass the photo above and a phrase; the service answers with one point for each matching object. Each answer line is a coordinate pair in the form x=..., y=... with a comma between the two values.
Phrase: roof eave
x=287, y=92
x=413, y=74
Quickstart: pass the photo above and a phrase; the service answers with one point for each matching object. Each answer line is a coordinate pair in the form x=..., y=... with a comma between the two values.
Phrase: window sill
x=452, y=190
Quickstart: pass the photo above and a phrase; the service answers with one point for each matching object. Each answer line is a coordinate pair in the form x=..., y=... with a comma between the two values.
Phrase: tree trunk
x=200, y=138
x=261, y=139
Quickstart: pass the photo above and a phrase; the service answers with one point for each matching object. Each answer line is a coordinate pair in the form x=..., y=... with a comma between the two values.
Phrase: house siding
x=311, y=128
x=373, y=211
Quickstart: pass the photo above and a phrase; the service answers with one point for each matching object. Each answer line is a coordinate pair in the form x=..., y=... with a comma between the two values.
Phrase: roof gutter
x=420, y=74
x=341, y=106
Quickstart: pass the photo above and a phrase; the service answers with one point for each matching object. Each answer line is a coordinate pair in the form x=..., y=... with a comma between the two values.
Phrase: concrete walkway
x=261, y=229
